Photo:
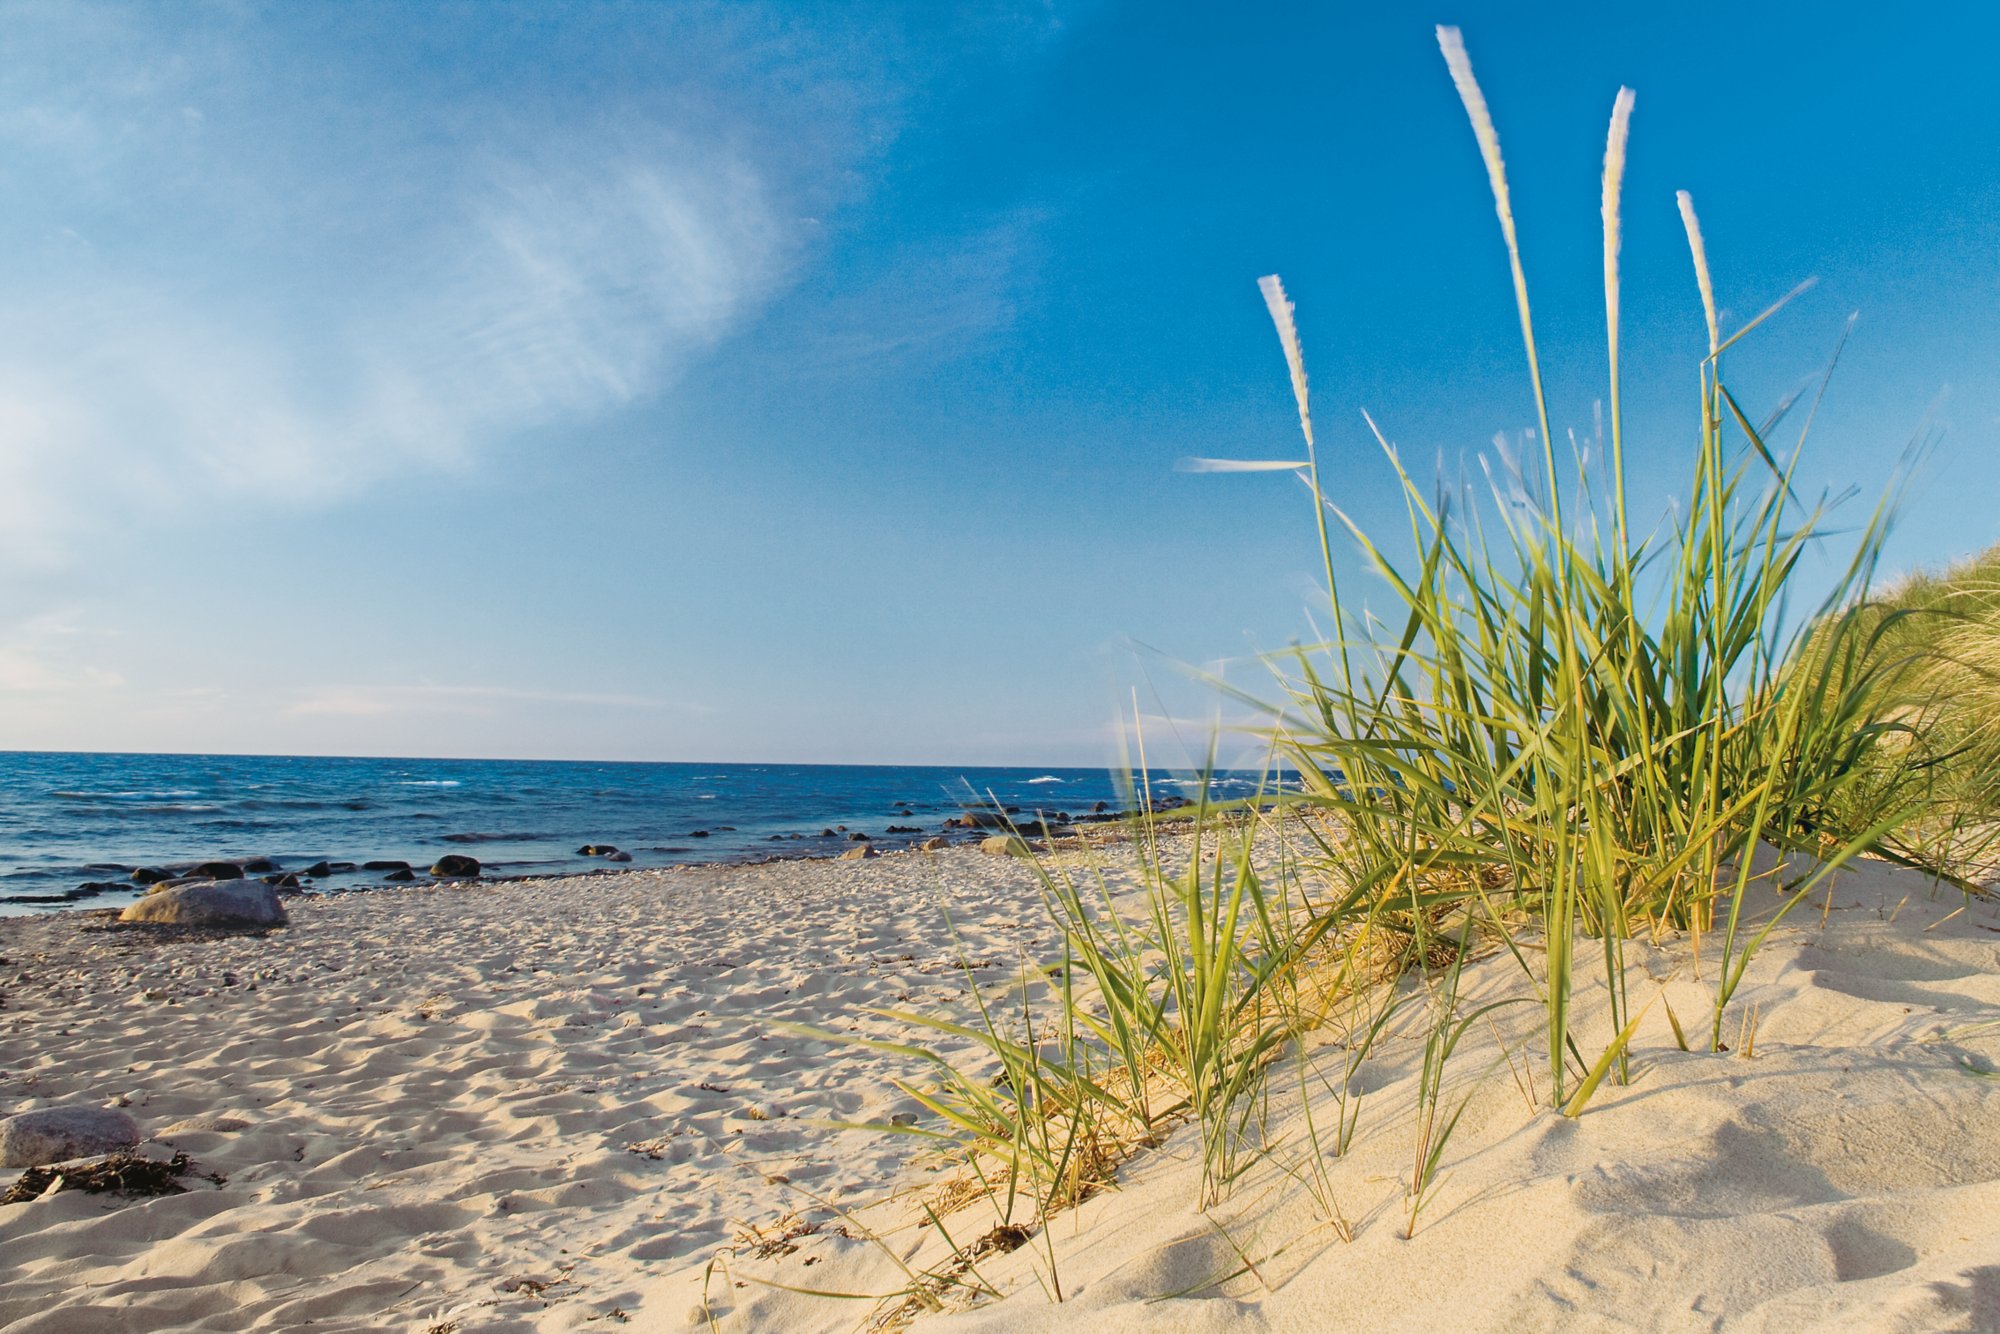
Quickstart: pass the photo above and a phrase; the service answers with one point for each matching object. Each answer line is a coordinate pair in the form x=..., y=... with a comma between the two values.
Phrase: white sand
x=1845, y=1176
x=442, y=1085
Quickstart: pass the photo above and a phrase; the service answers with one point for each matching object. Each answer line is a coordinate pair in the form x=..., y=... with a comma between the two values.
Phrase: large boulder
x=456, y=866
x=210, y=903
x=57, y=1134
x=1004, y=845
x=861, y=853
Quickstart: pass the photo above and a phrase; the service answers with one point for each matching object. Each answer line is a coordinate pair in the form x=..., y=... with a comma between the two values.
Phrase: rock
x=217, y=871
x=697, y=833
x=826, y=833
x=149, y=875
x=1101, y=807
x=933, y=843
x=385, y=866
x=902, y=829
x=210, y=903
x=62, y=896
x=319, y=869
x=616, y=856
x=860, y=853
x=287, y=880
x=1004, y=845
x=92, y=888
x=455, y=866
x=857, y=838
x=56, y=1134
x=257, y=866
x=401, y=874
x=982, y=819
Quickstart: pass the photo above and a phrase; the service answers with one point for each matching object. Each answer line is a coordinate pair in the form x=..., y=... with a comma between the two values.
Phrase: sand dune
x=1844, y=1174
x=550, y=1105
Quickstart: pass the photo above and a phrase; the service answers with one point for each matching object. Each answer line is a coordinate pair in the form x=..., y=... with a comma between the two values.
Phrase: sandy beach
x=550, y=1105
x=506, y=1106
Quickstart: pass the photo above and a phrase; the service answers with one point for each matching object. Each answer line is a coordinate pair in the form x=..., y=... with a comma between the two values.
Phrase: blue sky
x=738, y=382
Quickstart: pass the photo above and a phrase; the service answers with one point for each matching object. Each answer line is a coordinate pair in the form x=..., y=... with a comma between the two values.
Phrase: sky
x=795, y=382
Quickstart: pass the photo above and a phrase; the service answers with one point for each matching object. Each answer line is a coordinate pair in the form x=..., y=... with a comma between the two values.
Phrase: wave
x=173, y=794
x=428, y=782
x=1045, y=778
x=197, y=809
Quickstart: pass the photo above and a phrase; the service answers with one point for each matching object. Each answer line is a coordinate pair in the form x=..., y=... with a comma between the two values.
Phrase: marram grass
x=1561, y=733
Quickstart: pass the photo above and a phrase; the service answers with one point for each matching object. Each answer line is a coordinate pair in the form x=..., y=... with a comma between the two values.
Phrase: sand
x=483, y=1109
x=507, y=1106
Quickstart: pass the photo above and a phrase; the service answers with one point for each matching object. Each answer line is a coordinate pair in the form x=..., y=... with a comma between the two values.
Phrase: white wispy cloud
x=49, y=656
x=216, y=288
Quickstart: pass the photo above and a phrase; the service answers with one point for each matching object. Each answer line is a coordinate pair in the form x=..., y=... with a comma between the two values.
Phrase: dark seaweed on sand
x=120, y=1174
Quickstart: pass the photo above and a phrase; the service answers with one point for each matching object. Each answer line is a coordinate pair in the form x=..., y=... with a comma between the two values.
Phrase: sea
x=74, y=827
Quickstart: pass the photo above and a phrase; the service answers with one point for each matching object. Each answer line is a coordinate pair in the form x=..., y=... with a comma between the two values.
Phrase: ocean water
x=69, y=820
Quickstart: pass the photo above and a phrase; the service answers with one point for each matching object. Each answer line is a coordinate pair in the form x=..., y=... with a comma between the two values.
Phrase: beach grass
x=1563, y=736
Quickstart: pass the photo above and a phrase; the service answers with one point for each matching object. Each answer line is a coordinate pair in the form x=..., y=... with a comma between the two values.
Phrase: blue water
x=68, y=820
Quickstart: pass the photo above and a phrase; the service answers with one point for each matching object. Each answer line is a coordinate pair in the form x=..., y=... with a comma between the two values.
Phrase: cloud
x=46, y=657
x=933, y=298
x=236, y=274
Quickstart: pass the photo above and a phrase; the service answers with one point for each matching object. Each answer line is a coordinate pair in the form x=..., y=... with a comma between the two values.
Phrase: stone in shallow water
x=57, y=1134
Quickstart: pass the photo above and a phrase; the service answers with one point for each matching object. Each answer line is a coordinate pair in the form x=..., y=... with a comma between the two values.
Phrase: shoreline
x=293, y=882
x=84, y=826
